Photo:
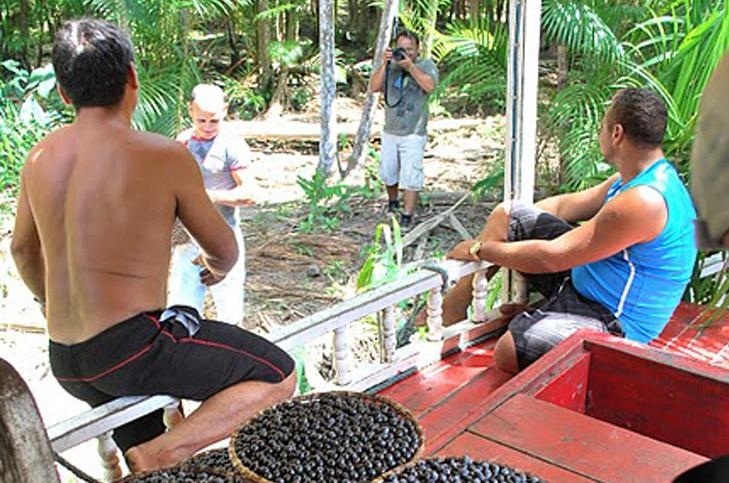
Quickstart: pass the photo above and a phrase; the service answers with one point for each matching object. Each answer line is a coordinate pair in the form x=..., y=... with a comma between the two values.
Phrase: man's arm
x=580, y=206
x=237, y=196
x=635, y=216
x=199, y=215
x=424, y=80
x=377, y=80
x=239, y=158
x=26, y=245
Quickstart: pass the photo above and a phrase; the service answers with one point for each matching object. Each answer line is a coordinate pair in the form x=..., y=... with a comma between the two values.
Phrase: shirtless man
x=92, y=242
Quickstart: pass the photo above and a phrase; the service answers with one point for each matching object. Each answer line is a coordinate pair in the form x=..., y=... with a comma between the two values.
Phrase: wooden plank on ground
x=582, y=444
x=298, y=130
x=482, y=449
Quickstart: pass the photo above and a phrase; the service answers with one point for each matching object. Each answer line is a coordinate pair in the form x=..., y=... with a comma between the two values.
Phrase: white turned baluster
x=172, y=415
x=109, y=460
x=389, y=335
x=342, y=361
x=435, y=313
x=480, y=294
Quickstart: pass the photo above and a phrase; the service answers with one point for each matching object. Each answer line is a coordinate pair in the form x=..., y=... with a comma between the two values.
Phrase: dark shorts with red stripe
x=565, y=310
x=144, y=356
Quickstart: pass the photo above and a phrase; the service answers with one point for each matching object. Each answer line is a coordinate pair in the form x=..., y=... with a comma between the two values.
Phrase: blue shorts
x=565, y=310
x=189, y=358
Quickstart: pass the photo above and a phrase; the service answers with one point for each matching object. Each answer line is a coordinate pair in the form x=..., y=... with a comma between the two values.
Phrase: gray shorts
x=565, y=311
x=401, y=161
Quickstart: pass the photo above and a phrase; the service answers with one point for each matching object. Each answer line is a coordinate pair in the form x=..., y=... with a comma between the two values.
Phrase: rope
x=73, y=469
x=443, y=275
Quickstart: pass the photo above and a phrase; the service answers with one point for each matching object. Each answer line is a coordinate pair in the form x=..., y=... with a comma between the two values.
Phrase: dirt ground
x=290, y=273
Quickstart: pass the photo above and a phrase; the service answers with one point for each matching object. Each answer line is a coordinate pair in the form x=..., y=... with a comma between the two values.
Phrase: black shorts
x=146, y=356
x=565, y=310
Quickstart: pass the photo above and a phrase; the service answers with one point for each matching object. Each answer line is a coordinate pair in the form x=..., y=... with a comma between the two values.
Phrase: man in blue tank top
x=613, y=258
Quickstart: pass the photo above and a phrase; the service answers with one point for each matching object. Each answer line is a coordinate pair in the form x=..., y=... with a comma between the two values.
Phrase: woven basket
x=402, y=468
x=196, y=461
x=377, y=400
x=140, y=477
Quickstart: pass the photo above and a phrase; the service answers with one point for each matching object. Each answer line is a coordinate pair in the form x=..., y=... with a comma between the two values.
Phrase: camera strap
x=387, y=83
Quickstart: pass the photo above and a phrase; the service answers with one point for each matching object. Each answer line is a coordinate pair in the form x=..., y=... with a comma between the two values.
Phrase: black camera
x=399, y=53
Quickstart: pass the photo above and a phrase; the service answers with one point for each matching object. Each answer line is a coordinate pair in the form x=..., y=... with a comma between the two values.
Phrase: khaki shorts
x=401, y=161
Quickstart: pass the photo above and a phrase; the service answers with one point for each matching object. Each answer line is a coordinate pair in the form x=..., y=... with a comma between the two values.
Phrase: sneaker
x=406, y=222
x=393, y=206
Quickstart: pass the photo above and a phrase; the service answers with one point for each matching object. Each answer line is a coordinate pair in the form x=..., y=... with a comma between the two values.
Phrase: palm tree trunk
x=368, y=111
x=431, y=16
x=263, y=59
x=327, y=142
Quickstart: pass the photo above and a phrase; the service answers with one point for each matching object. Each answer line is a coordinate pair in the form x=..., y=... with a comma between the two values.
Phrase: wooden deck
x=544, y=422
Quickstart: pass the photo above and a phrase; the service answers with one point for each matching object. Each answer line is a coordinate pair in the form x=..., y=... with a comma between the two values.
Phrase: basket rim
x=232, y=477
x=246, y=472
x=414, y=462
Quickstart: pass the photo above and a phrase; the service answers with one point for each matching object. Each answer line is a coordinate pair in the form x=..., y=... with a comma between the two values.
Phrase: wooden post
x=389, y=335
x=172, y=415
x=109, y=459
x=25, y=451
x=342, y=359
x=480, y=293
x=521, y=109
x=435, y=314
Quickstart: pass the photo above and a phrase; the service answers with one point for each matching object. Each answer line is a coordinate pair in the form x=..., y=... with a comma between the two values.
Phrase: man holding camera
x=406, y=81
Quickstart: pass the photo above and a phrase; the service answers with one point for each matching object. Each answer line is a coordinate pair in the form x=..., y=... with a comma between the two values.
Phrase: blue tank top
x=643, y=284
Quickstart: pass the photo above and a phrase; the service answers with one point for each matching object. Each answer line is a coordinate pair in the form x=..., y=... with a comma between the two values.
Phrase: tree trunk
x=562, y=72
x=263, y=39
x=430, y=17
x=563, y=66
x=362, y=140
x=278, y=99
x=25, y=452
x=232, y=43
x=327, y=142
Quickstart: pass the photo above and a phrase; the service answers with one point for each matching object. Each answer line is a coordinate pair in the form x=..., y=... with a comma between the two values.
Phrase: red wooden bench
x=598, y=408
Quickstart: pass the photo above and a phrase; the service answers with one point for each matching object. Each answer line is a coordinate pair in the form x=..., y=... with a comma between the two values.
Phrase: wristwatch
x=475, y=249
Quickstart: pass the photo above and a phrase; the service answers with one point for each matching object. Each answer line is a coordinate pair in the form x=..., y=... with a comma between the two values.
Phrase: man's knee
x=505, y=354
x=497, y=224
x=285, y=388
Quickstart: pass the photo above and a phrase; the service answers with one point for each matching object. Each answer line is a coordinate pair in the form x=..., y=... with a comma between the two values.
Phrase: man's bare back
x=104, y=198
x=92, y=241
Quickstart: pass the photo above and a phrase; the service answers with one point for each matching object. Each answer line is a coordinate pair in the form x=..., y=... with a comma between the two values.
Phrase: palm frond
x=581, y=29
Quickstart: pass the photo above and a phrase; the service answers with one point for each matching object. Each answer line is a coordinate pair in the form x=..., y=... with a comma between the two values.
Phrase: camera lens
x=398, y=53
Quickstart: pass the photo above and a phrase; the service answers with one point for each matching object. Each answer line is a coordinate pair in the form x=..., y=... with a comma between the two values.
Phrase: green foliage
x=493, y=181
x=383, y=263
x=325, y=201
x=473, y=55
x=23, y=121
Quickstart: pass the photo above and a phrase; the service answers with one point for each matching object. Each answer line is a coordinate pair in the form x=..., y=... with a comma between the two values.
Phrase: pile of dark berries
x=333, y=438
x=215, y=458
x=458, y=470
x=182, y=475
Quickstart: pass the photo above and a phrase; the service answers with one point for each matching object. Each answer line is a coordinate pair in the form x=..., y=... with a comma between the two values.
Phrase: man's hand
x=462, y=251
x=406, y=64
x=207, y=277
